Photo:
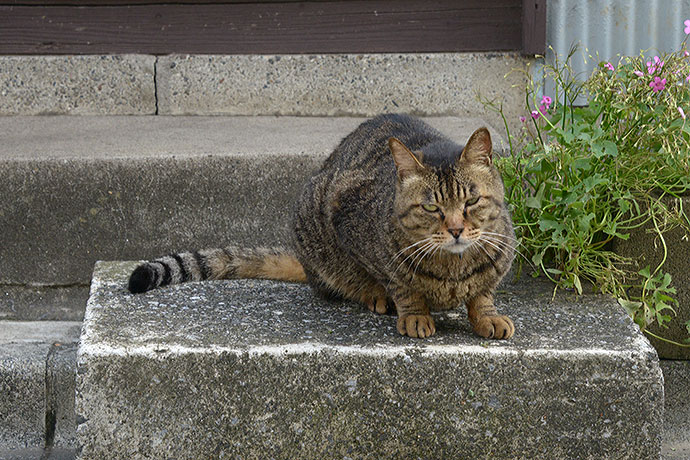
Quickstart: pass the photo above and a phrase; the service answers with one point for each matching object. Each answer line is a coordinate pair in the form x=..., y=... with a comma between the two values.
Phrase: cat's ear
x=478, y=148
x=406, y=162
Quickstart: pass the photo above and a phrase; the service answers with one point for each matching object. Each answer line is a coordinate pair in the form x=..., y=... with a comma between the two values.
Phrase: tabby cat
x=398, y=216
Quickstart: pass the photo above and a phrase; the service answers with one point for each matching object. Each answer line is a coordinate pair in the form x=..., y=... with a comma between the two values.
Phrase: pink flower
x=523, y=119
x=657, y=84
x=682, y=114
x=687, y=26
x=535, y=114
x=638, y=73
x=609, y=66
x=687, y=78
x=546, y=102
x=685, y=52
x=653, y=66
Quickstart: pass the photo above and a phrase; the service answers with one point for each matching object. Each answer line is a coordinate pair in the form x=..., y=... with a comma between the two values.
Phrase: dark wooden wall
x=269, y=26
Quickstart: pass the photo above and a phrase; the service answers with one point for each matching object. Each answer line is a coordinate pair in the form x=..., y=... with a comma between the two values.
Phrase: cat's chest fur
x=447, y=282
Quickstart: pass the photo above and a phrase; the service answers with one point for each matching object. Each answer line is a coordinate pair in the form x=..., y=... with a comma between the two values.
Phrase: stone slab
x=77, y=189
x=343, y=84
x=257, y=369
x=27, y=397
x=77, y=85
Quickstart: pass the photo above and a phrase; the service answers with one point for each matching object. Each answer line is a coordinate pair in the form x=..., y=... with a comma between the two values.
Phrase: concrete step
x=74, y=190
x=257, y=369
x=37, y=379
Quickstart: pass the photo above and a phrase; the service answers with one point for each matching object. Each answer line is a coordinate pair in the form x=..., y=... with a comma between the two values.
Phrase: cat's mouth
x=456, y=246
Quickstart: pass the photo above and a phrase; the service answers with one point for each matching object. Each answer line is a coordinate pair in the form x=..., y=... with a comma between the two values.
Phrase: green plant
x=580, y=177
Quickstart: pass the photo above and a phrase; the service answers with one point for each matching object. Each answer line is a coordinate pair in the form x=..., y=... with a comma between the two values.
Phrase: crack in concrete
x=51, y=403
x=155, y=83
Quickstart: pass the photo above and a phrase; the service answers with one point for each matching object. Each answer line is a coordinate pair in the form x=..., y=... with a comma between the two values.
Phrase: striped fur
x=214, y=264
x=362, y=232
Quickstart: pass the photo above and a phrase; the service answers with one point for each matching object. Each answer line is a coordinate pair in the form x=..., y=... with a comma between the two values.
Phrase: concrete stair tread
x=276, y=372
x=245, y=314
x=110, y=137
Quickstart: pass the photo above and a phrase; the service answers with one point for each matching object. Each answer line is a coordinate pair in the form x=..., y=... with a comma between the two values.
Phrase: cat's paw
x=419, y=326
x=378, y=305
x=494, y=327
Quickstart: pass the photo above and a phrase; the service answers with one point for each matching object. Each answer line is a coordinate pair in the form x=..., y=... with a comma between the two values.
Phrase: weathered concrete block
x=77, y=189
x=37, y=383
x=342, y=84
x=257, y=369
x=77, y=85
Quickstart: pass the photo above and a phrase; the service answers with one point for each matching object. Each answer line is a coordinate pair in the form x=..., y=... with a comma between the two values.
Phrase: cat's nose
x=455, y=231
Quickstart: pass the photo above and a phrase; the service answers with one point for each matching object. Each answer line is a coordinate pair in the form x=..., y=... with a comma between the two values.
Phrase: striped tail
x=214, y=264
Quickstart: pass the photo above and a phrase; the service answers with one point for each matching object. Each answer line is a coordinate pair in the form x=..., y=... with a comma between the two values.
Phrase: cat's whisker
x=505, y=246
x=478, y=245
x=495, y=246
x=501, y=237
x=432, y=249
x=422, y=254
x=508, y=237
x=415, y=253
x=402, y=251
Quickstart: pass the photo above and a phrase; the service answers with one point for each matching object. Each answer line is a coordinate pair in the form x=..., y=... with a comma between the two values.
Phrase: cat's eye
x=430, y=207
x=471, y=202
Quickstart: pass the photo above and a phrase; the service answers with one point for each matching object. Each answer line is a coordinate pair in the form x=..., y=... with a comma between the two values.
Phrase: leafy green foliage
x=579, y=178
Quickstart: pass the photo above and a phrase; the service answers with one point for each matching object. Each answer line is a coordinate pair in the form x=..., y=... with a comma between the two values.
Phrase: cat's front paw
x=494, y=327
x=419, y=326
x=377, y=305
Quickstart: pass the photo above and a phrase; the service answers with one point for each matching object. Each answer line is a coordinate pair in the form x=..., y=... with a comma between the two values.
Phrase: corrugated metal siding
x=611, y=28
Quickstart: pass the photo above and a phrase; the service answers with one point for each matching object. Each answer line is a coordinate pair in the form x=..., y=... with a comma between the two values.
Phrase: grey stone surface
x=676, y=439
x=43, y=303
x=22, y=386
x=77, y=85
x=77, y=189
x=27, y=397
x=342, y=84
x=257, y=369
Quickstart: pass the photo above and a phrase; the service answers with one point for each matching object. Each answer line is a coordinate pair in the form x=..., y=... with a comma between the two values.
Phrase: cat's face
x=448, y=199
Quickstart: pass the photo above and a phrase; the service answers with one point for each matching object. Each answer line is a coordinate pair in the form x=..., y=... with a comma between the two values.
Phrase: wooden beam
x=534, y=27
x=348, y=26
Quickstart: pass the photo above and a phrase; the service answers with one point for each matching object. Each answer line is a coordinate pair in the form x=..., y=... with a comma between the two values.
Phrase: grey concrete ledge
x=256, y=369
x=37, y=381
x=77, y=189
x=342, y=84
x=77, y=85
